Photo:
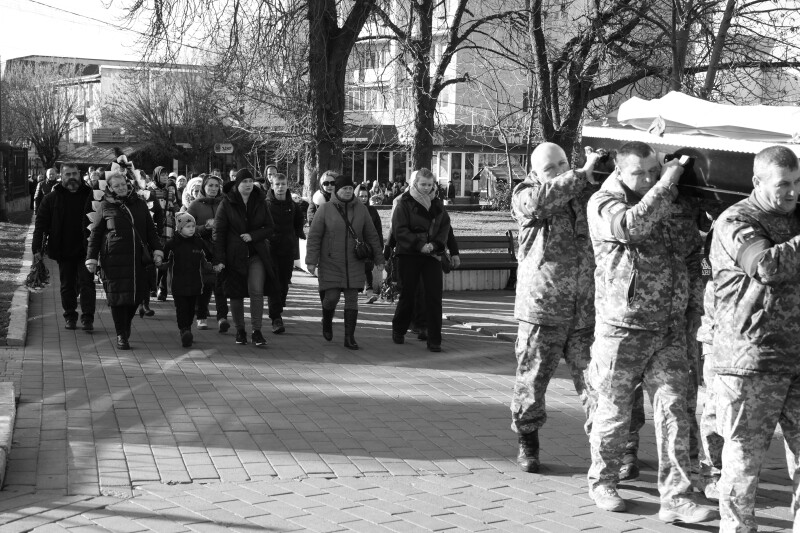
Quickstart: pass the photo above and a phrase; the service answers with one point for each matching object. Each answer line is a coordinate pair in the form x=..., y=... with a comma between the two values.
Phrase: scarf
x=422, y=198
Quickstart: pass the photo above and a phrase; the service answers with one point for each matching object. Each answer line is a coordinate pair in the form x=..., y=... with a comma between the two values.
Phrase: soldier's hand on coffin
x=671, y=172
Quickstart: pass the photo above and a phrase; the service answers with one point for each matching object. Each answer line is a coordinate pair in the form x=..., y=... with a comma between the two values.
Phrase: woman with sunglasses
x=323, y=195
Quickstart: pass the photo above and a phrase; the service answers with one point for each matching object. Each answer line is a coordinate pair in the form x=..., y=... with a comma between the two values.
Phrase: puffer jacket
x=413, y=226
x=234, y=218
x=187, y=264
x=331, y=247
x=204, y=209
x=284, y=241
x=648, y=252
x=757, y=326
x=115, y=243
x=555, y=276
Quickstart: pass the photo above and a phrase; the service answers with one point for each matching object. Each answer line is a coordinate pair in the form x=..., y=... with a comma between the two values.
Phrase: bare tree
x=174, y=110
x=41, y=105
x=247, y=39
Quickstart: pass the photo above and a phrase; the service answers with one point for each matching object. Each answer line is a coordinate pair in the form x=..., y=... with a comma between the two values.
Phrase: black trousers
x=184, y=310
x=75, y=281
x=413, y=270
x=284, y=265
x=123, y=318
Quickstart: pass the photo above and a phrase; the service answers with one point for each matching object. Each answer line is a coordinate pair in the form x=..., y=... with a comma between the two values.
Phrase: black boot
x=327, y=323
x=350, y=320
x=528, y=456
x=122, y=342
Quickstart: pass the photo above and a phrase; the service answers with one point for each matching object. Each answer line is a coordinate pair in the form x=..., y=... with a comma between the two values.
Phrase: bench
x=488, y=262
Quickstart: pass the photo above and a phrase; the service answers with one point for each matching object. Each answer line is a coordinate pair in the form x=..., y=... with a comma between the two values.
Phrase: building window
x=364, y=99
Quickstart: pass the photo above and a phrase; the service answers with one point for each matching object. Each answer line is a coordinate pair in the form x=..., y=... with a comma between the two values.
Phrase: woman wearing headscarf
x=121, y=236
x=420, y=226
x=241, y=227
x=191, y=192
x=331, y=249
x=204, y=210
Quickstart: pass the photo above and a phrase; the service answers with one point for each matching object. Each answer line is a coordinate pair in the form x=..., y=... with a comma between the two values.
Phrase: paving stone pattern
x=304, y=435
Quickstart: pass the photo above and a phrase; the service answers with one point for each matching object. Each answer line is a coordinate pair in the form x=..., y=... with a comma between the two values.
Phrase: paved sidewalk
x=304, y=435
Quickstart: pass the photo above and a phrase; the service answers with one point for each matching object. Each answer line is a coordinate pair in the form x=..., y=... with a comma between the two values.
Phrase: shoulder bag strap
x=347, y=223
x=146, y=257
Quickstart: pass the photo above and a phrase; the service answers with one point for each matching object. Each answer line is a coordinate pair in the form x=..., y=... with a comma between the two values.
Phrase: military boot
x=528, y=456
x=630, y=467
x=327, y=323
x=350, y=320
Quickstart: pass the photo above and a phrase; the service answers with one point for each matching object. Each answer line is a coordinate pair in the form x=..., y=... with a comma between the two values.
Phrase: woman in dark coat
x=241, y=228
x=332, y=249
x=204, y=210
x=120, y=250
x=363, y=196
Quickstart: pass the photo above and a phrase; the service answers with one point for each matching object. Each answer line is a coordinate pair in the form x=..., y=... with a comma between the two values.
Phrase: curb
x=18, y=319
x=8, y=413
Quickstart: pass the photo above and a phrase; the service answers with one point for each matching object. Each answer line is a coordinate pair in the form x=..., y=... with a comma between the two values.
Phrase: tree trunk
x=424, y=101
x=716, y=51
x=310, y=175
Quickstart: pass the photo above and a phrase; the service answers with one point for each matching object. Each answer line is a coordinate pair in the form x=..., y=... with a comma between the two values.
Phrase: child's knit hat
x=181, y=219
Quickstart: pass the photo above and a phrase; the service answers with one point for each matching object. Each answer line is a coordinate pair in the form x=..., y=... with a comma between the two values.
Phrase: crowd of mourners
x=233, y=238
x=616, y=278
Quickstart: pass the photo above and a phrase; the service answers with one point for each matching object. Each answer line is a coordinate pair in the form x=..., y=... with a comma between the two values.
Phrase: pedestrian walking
x=204, y=209
x=45, y=187
x=327, y=184
x=556, y=318
x=185, y=254
x=642, y=299
x=755, y=264
x=61, y=224
x=166, y=194
x=284, y=243
x=420, y=226
x=123, y=238
x=339, y=226
x=241, y=227
x=372, y=288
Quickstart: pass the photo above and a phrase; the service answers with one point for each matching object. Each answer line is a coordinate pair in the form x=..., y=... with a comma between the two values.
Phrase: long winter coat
x=232, y=220
x=288, y=219
x=331, y=247
x=113, y=240
x=62, y=234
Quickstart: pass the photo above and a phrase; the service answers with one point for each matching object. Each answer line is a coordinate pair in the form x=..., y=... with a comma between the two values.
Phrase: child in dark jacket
x=186, y=253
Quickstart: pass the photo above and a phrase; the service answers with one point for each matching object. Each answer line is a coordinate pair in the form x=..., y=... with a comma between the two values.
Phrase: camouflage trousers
x=711, y=464
x=748, y=408
x=621, y=359
x=539, y=349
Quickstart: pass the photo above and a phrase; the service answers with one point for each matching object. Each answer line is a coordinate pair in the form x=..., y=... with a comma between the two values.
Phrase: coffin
x=721, y=139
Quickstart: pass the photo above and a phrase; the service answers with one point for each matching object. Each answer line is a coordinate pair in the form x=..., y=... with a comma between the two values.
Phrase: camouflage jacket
x=648, y=252
x=758, y=314
x=554, y=277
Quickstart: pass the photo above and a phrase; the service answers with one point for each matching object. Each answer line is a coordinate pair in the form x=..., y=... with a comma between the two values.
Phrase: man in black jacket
x=61, y=221
x=45, y=187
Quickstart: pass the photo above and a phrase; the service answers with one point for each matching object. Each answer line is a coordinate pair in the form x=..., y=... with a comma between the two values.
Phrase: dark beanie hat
x=241, y=175
x=343, y=181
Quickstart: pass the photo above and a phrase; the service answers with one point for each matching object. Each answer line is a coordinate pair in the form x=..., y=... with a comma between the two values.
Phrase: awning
x=98, y=154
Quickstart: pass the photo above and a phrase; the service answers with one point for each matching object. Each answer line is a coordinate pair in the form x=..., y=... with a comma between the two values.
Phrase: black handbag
x=362, y=249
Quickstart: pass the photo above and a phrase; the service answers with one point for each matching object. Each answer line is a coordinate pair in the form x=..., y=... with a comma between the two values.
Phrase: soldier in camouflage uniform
x=755, y=257
x=646, y=251
x=555, y=290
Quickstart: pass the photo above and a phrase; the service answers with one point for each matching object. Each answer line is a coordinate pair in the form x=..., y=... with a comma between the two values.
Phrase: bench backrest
x=504, y=243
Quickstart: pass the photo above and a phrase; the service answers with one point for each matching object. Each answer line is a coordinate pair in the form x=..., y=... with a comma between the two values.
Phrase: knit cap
x=241, y=175
x=181, y=219
x=343, y=181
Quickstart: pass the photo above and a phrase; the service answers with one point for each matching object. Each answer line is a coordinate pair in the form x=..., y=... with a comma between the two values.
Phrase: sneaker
x=186, y=338
x=202, y=324
x=607, y=499
x=372, y=299
x=397, y=338
x=711, y=490
x=277, y=326
x=71, y=324
x=258, y=338
x=223, y=325
x=87, y=325
x=683, y=509
x=162, y=296
x=241, y=336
